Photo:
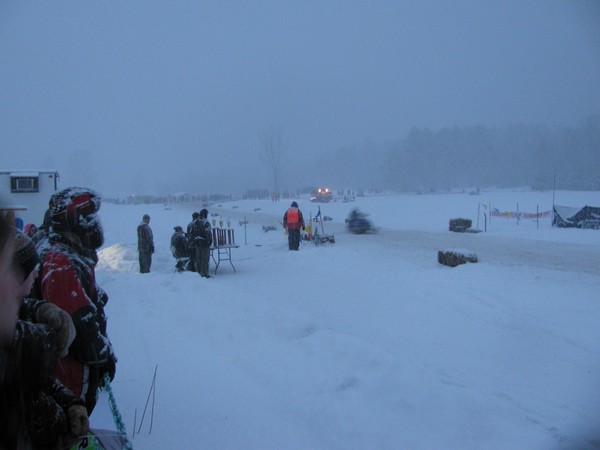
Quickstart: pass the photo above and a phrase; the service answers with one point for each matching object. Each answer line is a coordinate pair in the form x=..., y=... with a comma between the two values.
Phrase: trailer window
x=24, y=184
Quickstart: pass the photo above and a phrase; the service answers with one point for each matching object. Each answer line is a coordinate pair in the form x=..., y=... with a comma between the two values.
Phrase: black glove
x=102, y=296
x=110, y=368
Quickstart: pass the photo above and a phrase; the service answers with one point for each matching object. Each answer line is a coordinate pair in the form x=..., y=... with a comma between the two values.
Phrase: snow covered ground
x=367, y=343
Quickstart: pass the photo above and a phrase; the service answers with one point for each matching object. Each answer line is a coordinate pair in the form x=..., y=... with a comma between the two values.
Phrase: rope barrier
x=118, y=419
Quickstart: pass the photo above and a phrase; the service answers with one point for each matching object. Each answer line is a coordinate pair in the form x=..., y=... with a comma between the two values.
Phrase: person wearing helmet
x=293, y=221
x=67, y=279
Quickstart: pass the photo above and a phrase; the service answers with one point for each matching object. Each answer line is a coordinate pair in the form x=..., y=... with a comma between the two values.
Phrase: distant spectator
x=179, y=249
x=293, y=221
x=201, y=240
x=30, y=229
x=193, y=264
x=145, y=244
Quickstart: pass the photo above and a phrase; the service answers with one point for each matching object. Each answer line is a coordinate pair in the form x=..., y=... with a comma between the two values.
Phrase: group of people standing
x=190, y=248
x=55, y=353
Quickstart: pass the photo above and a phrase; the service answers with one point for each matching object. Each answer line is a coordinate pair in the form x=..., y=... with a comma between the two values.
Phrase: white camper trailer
x=27, y=193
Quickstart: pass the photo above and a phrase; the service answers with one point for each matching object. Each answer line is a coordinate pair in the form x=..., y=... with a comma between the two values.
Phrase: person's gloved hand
x=110, y=367
x=79, y=423
x=61, y=323
x=302, y=227
x=102, y=296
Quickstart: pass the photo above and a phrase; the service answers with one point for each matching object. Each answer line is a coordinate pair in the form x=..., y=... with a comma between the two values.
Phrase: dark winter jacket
x=33, y=404
x=68, y=280
x=200, y=233
x=145, y=238
x=293, y=225
x=179, y=245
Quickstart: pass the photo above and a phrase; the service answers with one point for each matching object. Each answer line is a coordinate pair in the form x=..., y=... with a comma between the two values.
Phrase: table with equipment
x=223, y=242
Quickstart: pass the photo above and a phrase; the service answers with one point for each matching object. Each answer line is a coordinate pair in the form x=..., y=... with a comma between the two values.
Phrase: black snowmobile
x=358, y=223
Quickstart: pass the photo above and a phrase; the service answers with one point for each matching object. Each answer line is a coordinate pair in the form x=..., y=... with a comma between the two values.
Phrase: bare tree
x=273, y=153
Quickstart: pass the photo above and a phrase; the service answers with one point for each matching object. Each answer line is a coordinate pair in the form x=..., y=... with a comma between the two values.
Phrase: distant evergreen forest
x=518, y=155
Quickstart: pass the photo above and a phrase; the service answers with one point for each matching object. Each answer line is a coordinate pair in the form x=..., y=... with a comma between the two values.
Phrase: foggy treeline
x=470, y=157
x=518, y=155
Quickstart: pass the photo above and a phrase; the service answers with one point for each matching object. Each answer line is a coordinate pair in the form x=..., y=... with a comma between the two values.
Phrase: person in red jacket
x=67, y=279
x=293, y=221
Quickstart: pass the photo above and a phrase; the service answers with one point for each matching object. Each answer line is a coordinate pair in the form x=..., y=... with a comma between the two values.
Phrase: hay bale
x=455, y=257
x=460, y=225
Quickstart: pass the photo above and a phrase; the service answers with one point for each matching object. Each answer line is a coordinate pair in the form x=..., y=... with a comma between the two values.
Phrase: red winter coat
x=67, y=279
x=292, y=213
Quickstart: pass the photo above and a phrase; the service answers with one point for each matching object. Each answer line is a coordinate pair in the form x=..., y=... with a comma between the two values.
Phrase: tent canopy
x=570, y=217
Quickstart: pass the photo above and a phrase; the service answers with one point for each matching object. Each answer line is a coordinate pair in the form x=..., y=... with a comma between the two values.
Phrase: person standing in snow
x=145, y=244
x=193, y=265
x=293, y=221
x=67, y=279
x=201, y=240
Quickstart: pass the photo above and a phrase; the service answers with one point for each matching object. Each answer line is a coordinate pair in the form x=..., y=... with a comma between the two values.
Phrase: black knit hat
x=204, y=213
x=294, y=205
x=25, y=257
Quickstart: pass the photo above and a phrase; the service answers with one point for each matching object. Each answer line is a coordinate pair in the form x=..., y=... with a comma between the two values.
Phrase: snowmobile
x=358, y=223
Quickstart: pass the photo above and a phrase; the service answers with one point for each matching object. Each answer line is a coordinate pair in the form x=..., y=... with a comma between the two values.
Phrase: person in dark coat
x=145, y=244
x=201, y=240
x=68, y=280
x=293, y=222
x=193, y=264
x=9, y=287
x=36, y=411
x=179, y=249
x=206, y=234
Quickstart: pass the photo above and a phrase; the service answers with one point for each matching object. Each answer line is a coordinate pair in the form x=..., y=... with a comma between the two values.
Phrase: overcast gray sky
x=173, y=95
